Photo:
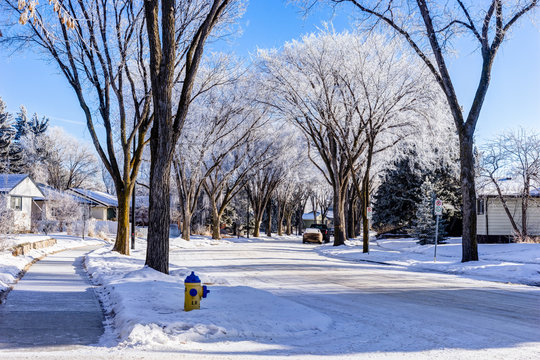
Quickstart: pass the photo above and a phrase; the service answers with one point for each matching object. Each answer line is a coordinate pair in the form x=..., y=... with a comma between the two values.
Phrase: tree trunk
x=524, y=206
x=216, y=222
x=257, y=227
x=339, y=216
x=269, y=219
x=289, y=224
x=350, y=214
x=186, y=225
x=157, y=253
x=121, y=244
x=468, y=192
x=505, y=207
x=280, y=224
x=365, y=200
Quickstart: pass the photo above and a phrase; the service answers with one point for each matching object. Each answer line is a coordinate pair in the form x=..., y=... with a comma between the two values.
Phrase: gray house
x=18, y=191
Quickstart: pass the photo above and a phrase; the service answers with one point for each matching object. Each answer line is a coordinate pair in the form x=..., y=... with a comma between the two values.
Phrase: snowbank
x=11, y=266
x=514, y=263
x=146, y=306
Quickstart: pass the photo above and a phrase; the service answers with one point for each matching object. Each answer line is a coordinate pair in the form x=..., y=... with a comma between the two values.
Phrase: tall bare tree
x=351, y=97
x=100, y=49
x=170, y=43
x=429, y=28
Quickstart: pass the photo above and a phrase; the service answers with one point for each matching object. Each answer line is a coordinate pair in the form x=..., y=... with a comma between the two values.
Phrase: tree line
x=136, y=66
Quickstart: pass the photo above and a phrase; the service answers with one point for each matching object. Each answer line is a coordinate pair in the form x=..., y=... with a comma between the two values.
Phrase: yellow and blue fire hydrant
x=193, y=292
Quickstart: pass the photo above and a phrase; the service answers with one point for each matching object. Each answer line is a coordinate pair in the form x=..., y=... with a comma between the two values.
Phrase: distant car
x=324, y=231
x=312, y=235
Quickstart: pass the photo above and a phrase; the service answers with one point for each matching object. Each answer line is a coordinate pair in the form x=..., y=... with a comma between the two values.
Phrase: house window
x=480, y=206
x=16, y=203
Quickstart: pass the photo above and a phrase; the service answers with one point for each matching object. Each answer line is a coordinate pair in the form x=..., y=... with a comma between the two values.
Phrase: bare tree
x=429, y=28
x=263, y=180
x=61, y=160
x=100, y=49
x=173, y=40
x=351, y=97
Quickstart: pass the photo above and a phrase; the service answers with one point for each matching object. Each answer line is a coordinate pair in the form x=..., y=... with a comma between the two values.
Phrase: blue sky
x=513, y=98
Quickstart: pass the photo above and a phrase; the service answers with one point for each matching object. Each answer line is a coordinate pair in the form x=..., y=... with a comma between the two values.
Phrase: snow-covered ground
x=274, y=298
x=11, y=266
x=515, y=263
x=278, y=298
x=148, y=305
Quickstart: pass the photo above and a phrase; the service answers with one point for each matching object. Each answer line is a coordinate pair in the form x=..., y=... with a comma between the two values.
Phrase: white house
x=493, y=224
x=19, y=191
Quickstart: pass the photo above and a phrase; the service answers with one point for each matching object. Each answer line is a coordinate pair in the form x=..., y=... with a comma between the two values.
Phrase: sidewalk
x=52, y=305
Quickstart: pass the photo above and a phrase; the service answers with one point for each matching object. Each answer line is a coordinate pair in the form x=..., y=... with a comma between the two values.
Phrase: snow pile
x=515, y=263
x=196, y=241
x=11, y=266
x=147, y=306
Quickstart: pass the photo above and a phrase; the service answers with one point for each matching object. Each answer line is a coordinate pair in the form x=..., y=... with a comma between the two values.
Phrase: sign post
x=438, y=213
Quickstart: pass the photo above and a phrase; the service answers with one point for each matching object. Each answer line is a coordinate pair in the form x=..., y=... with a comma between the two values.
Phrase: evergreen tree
x=22, y=125
x=37, y=126
x=396, y=199
x=424, y=224
x=7, y=133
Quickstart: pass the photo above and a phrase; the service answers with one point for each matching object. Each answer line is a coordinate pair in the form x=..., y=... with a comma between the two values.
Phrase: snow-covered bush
x=64, y=209
x=46, y=226
x=6, y=216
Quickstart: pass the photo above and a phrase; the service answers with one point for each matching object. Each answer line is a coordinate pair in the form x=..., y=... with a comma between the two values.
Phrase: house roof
x=309, y=215
x=9, y=181
x=98, y=197
x=50, y=192
x=510, y=187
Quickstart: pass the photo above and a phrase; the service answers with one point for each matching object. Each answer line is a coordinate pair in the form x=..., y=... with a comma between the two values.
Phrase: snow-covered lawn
x=11, y=266
x=148, y=306
x=515, y=263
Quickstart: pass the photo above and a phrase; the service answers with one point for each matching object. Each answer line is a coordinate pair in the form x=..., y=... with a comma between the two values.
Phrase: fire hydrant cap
x=192, y=278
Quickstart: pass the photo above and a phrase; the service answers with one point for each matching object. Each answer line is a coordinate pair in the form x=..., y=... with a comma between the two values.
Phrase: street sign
x=369, y=212
x=438, y=207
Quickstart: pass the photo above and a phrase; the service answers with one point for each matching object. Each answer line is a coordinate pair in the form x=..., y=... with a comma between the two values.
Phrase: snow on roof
x=98, y=197
x=49, y=192
x=309, y=215
x=509, y=187
x=9, y=181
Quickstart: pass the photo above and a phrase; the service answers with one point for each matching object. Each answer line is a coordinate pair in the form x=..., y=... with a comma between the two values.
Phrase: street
x=381, y=308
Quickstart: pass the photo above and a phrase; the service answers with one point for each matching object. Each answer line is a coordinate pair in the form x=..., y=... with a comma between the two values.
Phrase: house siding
x=26, y=189
x=498, y=222
x=99, y=213
x=23, y=217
